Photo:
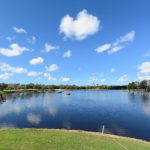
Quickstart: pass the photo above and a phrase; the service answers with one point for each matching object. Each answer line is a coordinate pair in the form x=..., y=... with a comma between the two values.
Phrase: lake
x=121, y=112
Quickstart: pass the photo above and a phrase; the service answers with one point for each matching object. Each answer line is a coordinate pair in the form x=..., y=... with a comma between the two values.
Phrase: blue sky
x=74, y=42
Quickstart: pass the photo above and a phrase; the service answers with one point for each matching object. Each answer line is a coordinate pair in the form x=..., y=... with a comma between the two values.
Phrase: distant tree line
x=5, y=86
x=144, y=85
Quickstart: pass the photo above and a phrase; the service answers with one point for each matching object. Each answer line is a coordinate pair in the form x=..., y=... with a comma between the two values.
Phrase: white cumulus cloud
x=79, y=28
x=103, y=48
x=49, y=77
x=33, y=74
x=117, y=45
x=144, y=71
x=49, y=47
x=36, y=61
x=128, y=37
x=67, y=54
x=115, y=49
x=5, y=76
x=143, y=77
x=13, y=50
x=19, y=30
x=65, y=79
x=52, y=68
x=10, y=69
x=145, y=68
x=123, y=78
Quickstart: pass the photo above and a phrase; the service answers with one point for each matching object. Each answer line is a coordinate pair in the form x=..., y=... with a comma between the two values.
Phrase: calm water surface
x=122, y=113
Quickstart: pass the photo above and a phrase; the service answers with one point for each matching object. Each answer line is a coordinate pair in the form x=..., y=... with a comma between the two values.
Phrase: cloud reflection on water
x=143, y=98
x=146, y=105
x=34, y=118
x=66, y=125
x=9, y=109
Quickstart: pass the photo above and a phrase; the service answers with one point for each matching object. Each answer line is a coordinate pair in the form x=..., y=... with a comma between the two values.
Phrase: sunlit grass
x=43, y=139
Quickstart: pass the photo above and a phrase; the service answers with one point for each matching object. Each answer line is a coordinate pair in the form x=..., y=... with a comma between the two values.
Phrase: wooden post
x=103, y=128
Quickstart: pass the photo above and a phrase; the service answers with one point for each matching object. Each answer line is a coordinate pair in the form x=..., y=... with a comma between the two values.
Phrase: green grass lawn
x=44, y=139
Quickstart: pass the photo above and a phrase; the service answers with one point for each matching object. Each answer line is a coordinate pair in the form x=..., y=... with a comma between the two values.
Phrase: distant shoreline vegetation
x=32, y=86
x=139, y=86
x=10, y=88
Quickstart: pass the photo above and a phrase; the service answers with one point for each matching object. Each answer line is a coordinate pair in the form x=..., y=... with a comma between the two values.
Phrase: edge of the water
x=81, y=131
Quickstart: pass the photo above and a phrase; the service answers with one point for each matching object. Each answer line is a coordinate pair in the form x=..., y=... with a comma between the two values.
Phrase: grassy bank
x=23, y=90
x=43, y=139
x=137, y=90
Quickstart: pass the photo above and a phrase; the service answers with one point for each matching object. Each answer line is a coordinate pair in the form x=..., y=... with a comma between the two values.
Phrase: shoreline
x=25, y=90
x=92, y=133
x=4, y=92
x=78, y=131
x=41, y=139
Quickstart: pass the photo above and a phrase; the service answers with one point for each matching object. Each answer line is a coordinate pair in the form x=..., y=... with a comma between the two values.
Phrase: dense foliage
x=4, y=86
x=145, y=85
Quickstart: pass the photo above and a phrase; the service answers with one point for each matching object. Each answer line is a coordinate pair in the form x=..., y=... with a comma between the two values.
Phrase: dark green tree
x=143, y=85
x=132, y=86
x=3, y=86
